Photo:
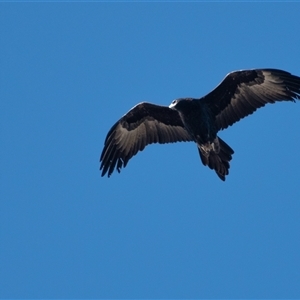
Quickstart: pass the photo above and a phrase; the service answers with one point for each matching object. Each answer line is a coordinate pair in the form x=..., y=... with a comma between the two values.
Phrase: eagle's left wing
x=242, y=92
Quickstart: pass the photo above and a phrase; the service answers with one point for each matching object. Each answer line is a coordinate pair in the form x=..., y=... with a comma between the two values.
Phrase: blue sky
x=166, y=226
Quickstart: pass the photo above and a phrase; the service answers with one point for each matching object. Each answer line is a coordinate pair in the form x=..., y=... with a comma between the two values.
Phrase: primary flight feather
x=197, y=120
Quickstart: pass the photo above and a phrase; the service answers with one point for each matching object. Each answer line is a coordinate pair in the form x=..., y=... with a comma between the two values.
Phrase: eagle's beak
x=172, y=104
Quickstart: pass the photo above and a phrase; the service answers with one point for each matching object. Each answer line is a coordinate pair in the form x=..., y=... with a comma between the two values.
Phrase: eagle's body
x=198, y=120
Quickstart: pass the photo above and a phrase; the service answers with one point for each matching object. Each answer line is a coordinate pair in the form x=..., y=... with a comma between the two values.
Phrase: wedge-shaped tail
x=216, y=155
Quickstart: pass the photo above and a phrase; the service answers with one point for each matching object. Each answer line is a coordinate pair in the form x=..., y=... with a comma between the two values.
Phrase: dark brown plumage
x=198, y=120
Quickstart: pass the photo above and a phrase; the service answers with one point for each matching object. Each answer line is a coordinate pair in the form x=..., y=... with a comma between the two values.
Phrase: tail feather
x=216, y=155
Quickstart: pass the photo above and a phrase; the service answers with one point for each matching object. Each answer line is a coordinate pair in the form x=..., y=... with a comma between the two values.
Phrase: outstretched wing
x=242, y=92
x=144, y=124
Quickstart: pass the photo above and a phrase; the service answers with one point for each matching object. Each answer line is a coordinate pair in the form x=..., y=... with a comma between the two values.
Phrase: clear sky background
x=166, y=226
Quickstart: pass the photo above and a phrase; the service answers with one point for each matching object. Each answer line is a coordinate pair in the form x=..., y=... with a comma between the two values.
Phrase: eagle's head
x=180, y=104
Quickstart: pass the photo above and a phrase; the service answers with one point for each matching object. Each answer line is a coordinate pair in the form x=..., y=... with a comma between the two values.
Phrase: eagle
x=197, y=120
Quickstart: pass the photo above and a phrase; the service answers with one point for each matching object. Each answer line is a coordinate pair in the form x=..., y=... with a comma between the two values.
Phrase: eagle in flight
x=197, y=120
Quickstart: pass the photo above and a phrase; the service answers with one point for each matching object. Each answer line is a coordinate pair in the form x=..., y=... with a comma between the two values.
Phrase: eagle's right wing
x=144, y=124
